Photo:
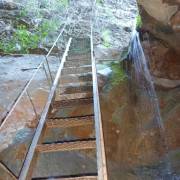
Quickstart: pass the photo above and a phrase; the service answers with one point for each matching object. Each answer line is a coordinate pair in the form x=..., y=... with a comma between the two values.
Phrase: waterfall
x=144, y=88
x=143, y=77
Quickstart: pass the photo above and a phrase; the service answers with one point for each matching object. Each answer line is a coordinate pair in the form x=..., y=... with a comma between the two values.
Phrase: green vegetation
x=99, y=1
x=64, y=2
x=28, y=36
x=23, y=13
x=23, y=40
x=106, y=38
x=118, y=74
x=138, y=21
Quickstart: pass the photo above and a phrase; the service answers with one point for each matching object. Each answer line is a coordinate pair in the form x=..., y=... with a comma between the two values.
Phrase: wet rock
x=159, y=10
x=166, y=83
x=102, y=52
x=164, y=63
x=161, y=18
x=175, y=22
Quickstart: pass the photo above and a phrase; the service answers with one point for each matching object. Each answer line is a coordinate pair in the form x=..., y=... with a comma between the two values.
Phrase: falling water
x=143, y=77
x=144, y=83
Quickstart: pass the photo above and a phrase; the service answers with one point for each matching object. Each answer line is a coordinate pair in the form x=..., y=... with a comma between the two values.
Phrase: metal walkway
x=75, y=84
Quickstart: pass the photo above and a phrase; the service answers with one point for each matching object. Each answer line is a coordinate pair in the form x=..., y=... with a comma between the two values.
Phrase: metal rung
x=71, y=89
x=80, y=56
x=77, y=70
x=74, y=96
x=66, y=146
x=70, y=78
x=70, y=122
x=72, y=102
x=88, y=177
x=77, y=63
x=81, y=178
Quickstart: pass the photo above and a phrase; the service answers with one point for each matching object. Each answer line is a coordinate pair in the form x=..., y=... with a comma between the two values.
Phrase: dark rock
x=161, y=18
x=9, y=5
x=5, y=29
x=10, y=15
x=38, y=51
x=127, y=29
x=25, y=22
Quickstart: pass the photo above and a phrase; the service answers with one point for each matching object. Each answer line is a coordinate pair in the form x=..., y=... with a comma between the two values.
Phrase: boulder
x=175, y=22
x=164, y=63
x=161, y=18
x=9, y=5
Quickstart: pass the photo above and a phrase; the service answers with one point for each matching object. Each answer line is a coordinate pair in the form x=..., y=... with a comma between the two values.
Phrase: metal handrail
x=101, y=156
x=32, y=77
x=31, y=151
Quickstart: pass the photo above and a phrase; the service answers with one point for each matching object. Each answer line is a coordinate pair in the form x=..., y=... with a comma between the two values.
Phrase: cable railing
x=25, y=88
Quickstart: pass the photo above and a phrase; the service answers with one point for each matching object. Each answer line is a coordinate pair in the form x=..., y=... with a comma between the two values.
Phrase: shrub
x=64, y=2
x=23, y=40
x=118, y=74
x=139, y=21
x=99, y=1
x=106, y=38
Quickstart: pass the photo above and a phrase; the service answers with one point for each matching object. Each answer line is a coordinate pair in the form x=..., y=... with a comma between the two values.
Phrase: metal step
x=75, y=78
x=66, y=146
x=79, y=51
x=81, y=178
x=80, y=110
x=77, y=177
x=79, y=56
x=70, y=122
x=77, y=63
x=74, y=96
x=75, y=88
x=77, y=70
x=72, y=102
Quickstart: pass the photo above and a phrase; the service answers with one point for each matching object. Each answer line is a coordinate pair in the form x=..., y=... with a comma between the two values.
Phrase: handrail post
x=33, y=106
x=50, y=74
x=46, y=74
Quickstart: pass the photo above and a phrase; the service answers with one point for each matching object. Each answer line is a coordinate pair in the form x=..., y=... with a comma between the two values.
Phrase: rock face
x=164, y=63
x=135, y=148
x=113, y=18
x=162, y=20
x=9, y=5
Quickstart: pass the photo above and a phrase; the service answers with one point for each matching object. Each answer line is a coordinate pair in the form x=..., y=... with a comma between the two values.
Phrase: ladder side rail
x=31, y=151
x=101, y=156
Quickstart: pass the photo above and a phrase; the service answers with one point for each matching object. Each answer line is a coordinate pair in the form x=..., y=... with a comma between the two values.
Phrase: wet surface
x=134, y=147
x=15, y=73
x=13, y=79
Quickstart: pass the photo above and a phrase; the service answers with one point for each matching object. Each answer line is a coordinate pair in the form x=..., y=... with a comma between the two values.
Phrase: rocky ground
x=131, y=153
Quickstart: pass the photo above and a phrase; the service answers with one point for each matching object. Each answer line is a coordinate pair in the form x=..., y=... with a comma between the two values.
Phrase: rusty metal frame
x=100, y=146
x=26, y=165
